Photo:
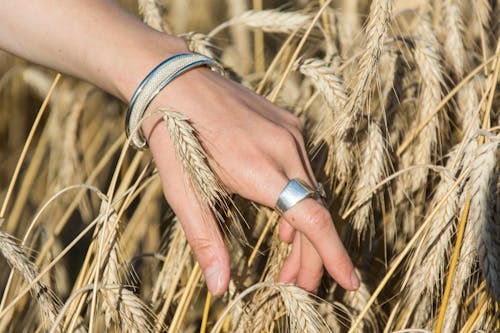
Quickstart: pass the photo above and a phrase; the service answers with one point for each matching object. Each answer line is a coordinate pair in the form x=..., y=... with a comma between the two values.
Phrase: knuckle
x=201, y=245
x=296, y=123
x=297, y=134
x=286, y=139
x=208, y=252
x=319, y=219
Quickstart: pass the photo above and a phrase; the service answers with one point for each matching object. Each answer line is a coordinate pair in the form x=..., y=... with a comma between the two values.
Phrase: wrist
x=141, y=59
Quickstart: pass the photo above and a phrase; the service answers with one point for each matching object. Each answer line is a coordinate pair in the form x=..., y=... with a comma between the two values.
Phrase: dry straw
x=399, y=106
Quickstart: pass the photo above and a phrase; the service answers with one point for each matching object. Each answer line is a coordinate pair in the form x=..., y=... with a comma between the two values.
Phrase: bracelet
x=153, y=83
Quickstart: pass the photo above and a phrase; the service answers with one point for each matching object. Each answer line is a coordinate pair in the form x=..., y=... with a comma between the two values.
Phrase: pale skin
x=255, y=147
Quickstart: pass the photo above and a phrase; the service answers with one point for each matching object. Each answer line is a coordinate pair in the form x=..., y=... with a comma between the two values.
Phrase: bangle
x=153, y=83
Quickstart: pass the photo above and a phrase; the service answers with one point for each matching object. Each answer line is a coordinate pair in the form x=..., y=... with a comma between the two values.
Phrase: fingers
x=303, y=265
x=291, y=266
x=309, y=217
x=314, y=221
x=198, y=222
x=311, y=270
x=286, y=231
x=321, y=244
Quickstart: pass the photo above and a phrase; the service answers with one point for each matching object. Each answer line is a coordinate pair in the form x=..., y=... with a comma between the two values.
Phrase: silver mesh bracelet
x=153, y=83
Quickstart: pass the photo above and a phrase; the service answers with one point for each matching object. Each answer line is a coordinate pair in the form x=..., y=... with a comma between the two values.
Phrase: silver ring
x=294, y=192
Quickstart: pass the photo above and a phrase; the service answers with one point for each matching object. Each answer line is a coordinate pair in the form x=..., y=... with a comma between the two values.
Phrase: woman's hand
x=255, y=147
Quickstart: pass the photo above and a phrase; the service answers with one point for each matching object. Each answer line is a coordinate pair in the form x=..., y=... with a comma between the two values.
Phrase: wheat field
x=400, y=111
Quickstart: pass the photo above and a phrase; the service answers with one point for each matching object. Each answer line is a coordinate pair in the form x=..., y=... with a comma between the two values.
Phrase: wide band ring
x=294, y=192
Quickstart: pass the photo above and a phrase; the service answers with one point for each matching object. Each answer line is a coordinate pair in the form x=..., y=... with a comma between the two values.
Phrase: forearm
x=95, y=40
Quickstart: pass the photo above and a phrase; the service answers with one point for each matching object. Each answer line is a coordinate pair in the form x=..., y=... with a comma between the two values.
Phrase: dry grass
x=400, y=109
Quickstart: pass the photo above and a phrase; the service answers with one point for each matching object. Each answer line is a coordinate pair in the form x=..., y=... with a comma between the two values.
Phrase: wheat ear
x=200, y=43
x=193, y=157
x=121, y=305
x=347, y=122
x=326, y=80
x=489, y=246
x=151, y=14
x=482, y=168
x=430, y=257
x=265, y=314
x=331, y=87
x=454, y=49
x=356, y=301
x=301, y=310
x=371, y=173
x=268, y=20
x=427, y=58
x=18, y=259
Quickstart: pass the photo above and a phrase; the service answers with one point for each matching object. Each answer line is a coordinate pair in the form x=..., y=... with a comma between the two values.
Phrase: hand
x=255, y=147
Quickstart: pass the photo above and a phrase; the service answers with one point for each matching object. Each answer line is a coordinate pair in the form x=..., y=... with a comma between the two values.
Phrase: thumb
x=197, y=220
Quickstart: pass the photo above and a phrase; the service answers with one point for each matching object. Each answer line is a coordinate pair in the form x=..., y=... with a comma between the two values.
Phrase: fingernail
x=354, y=280
x=213, y=277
